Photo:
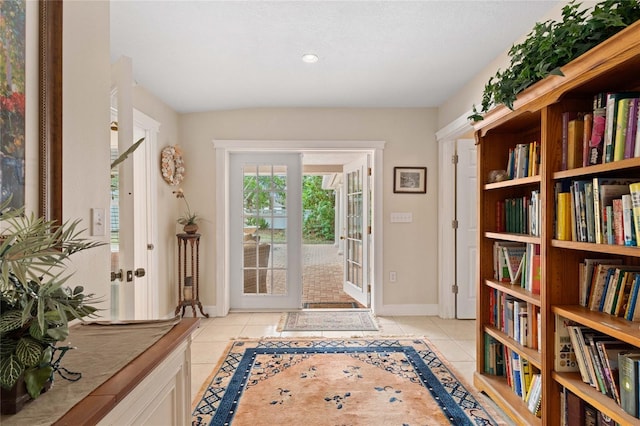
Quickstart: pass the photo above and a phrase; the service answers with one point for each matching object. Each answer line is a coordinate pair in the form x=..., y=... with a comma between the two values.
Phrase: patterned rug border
x=282, y=324
x=487, y=404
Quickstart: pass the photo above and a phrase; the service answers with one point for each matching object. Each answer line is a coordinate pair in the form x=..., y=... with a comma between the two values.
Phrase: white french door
x=357, y=224
x=265, y=223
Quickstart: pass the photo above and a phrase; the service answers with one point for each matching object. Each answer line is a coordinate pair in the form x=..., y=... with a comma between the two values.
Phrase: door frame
x=222, y=150
x=446, y=139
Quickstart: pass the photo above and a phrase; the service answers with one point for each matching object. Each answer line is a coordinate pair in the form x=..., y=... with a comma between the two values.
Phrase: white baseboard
x=407, y=310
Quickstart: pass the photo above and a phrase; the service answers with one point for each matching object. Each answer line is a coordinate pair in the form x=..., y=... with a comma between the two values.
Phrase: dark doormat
x=330, y=305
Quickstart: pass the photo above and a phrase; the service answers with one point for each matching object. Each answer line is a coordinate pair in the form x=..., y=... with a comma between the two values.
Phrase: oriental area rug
x=337, y=382
x=340, y=320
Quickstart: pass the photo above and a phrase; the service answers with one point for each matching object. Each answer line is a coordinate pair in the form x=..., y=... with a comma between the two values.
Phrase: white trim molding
x=222, y=150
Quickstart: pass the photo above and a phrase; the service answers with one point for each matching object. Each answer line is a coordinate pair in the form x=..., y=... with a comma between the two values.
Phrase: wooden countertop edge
x=106, y=396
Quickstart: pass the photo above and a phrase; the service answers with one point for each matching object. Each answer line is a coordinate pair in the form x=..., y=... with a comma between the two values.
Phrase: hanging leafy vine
x=551, y=45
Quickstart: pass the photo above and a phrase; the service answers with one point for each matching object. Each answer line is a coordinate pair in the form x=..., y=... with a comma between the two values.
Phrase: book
x=586, y=138
x=634, y=191
x=628, y=231
x=575, y=410
x=618, y=231
x=608, y=350
x=588, y=276
x=632, y=128
x=599, y=284
x=596, y=145
x=575, y=135
x=624, y=294
x=582, y=358
x=564, y=357
x=588, y=198
x=563, y=221
x=633, y=299
x=620, y=137
x=567, y=116
x=610, y=122
x=605, y=190
x=628, y=371
x=514, y=258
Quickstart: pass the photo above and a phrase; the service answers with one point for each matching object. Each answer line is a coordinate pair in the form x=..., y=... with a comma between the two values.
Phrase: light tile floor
x=454, y=339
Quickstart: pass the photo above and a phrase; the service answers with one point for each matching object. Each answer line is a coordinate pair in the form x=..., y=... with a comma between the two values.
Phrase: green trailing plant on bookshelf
x=551, y=44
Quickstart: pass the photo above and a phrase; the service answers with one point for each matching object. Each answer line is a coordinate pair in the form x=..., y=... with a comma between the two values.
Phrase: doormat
x=324, y=381
x=330, y=305
x=327, y=321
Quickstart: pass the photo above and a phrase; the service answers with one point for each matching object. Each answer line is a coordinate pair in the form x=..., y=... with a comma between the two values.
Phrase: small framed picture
x=410, y=180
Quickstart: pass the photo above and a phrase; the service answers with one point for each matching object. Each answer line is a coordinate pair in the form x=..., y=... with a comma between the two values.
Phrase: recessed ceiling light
x=310, y=58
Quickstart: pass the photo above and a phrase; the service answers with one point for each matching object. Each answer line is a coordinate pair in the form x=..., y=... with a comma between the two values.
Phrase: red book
x=535, y=274
x=618, y=229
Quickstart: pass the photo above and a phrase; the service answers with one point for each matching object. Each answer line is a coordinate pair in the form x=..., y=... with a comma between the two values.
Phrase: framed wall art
x=410, y=180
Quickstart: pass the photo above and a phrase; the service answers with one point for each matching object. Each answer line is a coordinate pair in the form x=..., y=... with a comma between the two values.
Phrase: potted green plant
x=35, y=305
x=551, y=45
x=189, y=220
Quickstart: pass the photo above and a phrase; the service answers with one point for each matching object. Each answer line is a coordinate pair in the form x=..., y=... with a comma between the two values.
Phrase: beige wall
x=86, y=87
x=410, y=141
x=461, y=103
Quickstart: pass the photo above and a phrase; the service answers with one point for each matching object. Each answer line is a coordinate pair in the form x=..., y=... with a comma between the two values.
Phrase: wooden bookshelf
x=537, y=116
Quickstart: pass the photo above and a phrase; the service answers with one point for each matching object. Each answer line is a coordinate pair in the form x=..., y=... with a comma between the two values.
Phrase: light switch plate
x=97, y=222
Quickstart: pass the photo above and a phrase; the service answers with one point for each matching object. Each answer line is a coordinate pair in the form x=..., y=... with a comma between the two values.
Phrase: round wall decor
x=172, y=165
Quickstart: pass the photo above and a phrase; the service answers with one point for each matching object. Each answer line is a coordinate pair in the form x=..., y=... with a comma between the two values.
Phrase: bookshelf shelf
x=537, y=116
x=531, y=354
x=597, y=248
x=516, y=291
x=601, y=402
x=619, y=328
x=518, y=238
x=619, y=167
x=500, y=392
x=530, y=180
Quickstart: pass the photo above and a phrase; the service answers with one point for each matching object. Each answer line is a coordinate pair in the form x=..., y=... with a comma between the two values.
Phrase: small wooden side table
x=189, y=273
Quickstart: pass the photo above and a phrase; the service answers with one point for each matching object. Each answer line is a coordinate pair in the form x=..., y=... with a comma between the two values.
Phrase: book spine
x=634, y=189
x=627, y=221
x=586, y=138
x=620, y=136
x=597, y=219
x=618, y=231
x=628, y=384
x=564, y=216
x=632, y=128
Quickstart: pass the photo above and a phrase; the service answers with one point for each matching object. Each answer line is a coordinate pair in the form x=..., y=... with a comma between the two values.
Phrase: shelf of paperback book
x=531, y=354
x=618, y=167
x=613, y=249
x=502, y=394
x=515, y=290
x=619, y=328
x=530, y=180
x=600, y=401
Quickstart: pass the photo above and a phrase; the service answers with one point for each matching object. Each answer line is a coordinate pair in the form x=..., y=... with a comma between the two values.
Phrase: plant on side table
x=36, y=306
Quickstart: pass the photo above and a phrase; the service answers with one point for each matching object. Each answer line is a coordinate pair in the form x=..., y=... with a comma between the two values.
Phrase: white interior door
x=466, y=250
x=132, y=223
x=265, y=220
x=356, y=225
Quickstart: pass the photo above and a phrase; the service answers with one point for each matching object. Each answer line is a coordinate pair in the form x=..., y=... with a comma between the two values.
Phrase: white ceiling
x=214, y=55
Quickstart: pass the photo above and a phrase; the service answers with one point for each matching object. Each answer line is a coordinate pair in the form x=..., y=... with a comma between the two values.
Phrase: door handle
x=150, y=246
x=140, y=272
x=116, y=275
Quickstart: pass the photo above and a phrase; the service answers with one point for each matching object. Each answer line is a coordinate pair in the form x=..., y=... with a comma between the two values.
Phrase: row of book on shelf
x=574, y=411
x=524, y=160
x=517, y=263
x=607, y=133
x=519, y=215
x=608, y=365
x=606, y=285
x=517, y=319
x=599, y=210
x=523, y=378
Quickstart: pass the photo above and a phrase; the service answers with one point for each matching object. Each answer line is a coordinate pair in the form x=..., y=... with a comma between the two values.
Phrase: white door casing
x=223, y=150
